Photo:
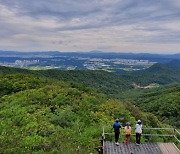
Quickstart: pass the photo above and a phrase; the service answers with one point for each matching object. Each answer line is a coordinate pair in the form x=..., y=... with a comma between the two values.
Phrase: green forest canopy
x=60, y=111
x=43, y=115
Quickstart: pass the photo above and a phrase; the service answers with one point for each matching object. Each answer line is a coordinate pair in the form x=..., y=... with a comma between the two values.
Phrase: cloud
x=69, y=25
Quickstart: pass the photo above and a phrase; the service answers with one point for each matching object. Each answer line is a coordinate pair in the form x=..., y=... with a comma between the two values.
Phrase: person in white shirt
x=138, y=131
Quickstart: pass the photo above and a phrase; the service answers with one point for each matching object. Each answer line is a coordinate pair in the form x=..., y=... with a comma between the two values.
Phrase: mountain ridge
x=98, y=53
x=101, y=80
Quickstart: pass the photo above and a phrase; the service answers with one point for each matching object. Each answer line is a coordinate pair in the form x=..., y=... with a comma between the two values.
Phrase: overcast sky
x=85, y=25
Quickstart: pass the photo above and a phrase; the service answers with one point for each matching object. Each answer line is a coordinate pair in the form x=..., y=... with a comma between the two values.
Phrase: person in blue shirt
x=116, y=127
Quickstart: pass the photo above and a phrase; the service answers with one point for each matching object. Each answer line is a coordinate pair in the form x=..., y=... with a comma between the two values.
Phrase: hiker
x=116, y=127
x=138, y=131
x=127, y=130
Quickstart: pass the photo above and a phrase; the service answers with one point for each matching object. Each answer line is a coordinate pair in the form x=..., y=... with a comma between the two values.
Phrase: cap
x=128, y=123
x=117, y=120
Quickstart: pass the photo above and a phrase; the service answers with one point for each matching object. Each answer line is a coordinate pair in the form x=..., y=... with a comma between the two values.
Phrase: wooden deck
x=144, y=148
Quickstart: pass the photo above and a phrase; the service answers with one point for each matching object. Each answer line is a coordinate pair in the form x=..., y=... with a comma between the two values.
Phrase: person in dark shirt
x=116, y=127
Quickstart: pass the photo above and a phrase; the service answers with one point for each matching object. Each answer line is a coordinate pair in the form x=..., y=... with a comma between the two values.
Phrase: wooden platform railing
x=174, y=134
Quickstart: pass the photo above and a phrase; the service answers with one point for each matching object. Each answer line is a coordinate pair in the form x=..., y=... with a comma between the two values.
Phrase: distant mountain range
x=94, y=54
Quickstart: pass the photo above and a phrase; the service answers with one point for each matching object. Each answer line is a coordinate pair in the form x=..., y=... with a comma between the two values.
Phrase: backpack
x=128, y=131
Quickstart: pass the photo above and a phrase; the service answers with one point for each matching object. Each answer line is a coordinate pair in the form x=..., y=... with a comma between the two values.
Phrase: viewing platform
x=144, y=148
x=167, y=136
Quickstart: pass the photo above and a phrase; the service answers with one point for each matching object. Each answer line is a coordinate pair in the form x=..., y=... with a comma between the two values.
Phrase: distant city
x=111, y=62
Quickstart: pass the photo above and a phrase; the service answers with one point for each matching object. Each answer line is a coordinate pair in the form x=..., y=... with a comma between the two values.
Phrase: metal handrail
x=177, y=131
x=159, y=128
x=176, y=138
x=165, y=135
x=162, y=135
x=149, y=128
x=103, y=138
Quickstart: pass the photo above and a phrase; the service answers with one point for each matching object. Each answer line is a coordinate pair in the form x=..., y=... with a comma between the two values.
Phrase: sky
x=84, y=25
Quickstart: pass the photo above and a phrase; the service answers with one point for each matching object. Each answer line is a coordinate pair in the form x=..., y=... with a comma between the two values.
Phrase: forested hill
x=100, y=80
x=106, y=82
x=11, y=70
x=174, y=63
x=163, y=102
x=158, y=73
x=42, y=115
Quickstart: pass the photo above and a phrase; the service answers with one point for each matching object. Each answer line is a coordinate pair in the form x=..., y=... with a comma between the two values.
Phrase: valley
x=63, y=110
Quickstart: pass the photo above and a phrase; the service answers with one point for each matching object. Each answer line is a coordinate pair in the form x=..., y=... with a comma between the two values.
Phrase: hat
x=128, y=123
x=117, y=120
x=139, y=121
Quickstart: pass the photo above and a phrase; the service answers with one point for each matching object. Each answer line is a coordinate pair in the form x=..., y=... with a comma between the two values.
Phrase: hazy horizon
x=109, y=26
x=115, y=52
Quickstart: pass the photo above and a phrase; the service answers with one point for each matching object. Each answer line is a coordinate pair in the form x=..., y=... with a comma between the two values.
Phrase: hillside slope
x=165, y=103
x=105, y=82
x=174, y=64
x=158, y=73
x=57, y=117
